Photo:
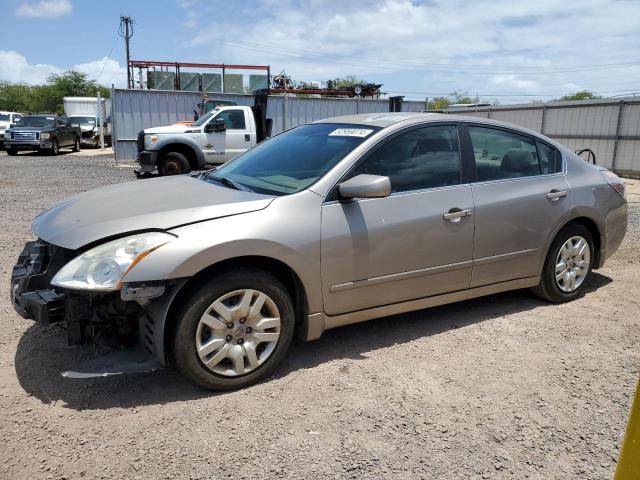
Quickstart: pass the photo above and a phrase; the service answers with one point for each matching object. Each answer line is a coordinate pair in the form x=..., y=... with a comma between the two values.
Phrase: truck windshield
x=84, y=121
x=294, y=160
x=204, y=119
x=36, y=122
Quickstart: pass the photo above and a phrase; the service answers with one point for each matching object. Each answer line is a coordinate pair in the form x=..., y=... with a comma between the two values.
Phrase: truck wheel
x=55, y=147
x=76, y=145
x=234, y=330
x=173, y=163
x=12, y=151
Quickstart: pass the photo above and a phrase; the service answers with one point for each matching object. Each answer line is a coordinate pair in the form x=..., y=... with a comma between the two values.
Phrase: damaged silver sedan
x=328, y=224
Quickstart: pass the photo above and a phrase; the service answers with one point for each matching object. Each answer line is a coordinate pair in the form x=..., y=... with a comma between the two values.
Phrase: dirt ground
x=505, y=386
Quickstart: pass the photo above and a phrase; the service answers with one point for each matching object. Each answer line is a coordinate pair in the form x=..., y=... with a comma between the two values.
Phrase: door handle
x=455, y=214
x=247, y=138
x=556, y=195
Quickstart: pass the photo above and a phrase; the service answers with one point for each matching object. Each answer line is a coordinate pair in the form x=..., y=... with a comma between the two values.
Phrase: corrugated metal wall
x=135, y=110
x=610, y=128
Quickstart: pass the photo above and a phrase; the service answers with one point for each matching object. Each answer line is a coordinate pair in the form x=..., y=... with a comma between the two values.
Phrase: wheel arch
x=581, y=218
x=191, y=153
x=277, y=268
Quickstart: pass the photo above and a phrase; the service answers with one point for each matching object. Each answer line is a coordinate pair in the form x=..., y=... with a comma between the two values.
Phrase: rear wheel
x=568, y=264
x=234, y=330
x=12, y=151
x=173, y=163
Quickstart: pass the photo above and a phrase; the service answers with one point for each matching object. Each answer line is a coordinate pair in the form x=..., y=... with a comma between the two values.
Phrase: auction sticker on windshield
x=351, y=132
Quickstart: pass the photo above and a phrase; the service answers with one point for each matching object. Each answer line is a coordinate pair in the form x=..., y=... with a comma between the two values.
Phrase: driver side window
x=421, y=158
x=233, y=119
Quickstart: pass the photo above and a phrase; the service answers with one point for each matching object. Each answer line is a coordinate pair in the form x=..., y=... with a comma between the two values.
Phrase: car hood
x=167, y=129
x=152, y=204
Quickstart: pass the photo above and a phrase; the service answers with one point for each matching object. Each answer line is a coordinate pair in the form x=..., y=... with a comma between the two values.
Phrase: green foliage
x=439, y=103
x=581, y=95
x=47, y=98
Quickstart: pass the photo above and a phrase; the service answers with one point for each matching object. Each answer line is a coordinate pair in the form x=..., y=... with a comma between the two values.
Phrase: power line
x=104, y=64
x=282, y=50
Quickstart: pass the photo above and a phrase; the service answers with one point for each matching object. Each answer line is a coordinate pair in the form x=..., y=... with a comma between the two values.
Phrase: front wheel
x=234, y=330
x=173, y=163
x=76, y=145
x=55, y=147
x=12, y=151
x=568, y=265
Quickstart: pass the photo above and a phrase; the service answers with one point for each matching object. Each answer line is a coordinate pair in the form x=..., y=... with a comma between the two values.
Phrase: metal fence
x=135, y=110
x=611, y=128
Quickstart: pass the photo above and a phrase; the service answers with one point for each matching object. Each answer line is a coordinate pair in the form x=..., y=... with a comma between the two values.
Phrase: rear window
x=550, y=159
x=4, y=117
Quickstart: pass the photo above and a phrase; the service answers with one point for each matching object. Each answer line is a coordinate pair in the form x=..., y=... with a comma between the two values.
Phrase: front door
x=521, y=196
x=415, y=243
x=220, y=147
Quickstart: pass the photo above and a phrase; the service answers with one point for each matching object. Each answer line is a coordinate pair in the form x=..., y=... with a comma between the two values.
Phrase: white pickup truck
x=216, y=137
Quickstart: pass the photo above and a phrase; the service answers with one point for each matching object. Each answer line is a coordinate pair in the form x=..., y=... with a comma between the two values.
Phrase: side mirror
x=365, y=186
x=11, y=125
x=216, y=125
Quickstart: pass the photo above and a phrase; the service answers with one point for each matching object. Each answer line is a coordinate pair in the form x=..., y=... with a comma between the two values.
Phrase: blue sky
x=510, y=51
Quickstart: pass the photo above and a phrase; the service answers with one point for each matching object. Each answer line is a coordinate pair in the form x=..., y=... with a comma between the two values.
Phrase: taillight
x=614, y=182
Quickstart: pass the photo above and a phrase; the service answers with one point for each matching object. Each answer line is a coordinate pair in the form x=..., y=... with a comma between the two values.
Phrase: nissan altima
x=327, y=224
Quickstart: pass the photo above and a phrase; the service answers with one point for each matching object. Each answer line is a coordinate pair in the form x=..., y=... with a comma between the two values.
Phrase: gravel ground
x=499, y=387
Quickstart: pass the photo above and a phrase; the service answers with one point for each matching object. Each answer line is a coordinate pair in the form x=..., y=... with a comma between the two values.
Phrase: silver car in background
x=327, y=224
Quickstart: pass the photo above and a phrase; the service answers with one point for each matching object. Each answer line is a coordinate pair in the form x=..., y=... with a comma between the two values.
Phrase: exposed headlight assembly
x=102, y=268
x=150, y=140
x=45, y=136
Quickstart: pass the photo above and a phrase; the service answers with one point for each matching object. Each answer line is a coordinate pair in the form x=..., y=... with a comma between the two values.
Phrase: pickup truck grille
x=25, y=136
x=88, y=134
x=140, y=143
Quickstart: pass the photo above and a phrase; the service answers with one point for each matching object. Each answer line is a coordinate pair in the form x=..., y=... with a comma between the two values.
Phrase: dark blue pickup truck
x=46, y=133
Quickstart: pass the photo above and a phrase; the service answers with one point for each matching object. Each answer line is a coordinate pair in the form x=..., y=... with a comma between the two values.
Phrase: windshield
x=294, y=160
x=203, y=119
x=4, y=117
x=36, y=122
x=85, y=121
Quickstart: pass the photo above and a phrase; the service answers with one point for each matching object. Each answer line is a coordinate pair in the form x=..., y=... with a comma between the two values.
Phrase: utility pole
x=126, y=32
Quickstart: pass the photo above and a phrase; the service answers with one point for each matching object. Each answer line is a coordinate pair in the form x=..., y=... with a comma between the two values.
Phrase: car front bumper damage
x=129, y=324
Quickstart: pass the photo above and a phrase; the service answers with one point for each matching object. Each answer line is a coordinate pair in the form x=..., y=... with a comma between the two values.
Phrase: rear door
x=520, y=196
x=388, y=250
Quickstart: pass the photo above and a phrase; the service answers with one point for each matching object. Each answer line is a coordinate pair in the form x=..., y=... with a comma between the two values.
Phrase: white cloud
x=104, y=71
x=45, y=8
x=485, y=46
x=14, y=67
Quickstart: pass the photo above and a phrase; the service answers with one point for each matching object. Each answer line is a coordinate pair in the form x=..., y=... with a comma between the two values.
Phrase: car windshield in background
x=294, y=160
x=4, y=117
x=203, y=119
x=84, y=121
x=36, y=122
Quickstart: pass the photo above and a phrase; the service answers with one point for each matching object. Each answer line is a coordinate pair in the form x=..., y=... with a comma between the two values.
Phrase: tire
x=562, y=290
x=76, y=145
x=55, y=147
x=12, y=151
x=173, y=163
x=224, y=373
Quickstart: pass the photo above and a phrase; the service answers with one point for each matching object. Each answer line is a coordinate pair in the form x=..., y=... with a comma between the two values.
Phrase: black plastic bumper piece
x=43, y=306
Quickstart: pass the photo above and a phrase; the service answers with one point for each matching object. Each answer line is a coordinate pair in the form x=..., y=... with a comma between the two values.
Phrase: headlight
x=150, y=140
x=102, y=268
x=45, y=136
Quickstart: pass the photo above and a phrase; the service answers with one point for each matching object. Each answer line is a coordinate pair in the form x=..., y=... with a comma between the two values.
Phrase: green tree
x=581, y=95
x=439, y=103
x=47, y=98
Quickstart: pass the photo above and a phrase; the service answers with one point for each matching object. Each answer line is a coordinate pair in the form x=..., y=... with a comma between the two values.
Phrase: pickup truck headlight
x=45, y=136
x=102, y=268
x=150, y=140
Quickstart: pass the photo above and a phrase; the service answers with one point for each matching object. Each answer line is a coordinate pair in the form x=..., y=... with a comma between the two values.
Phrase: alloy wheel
x=238, y=332
x=572, y=264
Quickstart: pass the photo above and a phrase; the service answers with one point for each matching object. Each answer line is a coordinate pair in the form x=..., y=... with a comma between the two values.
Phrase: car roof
x=388, y=119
